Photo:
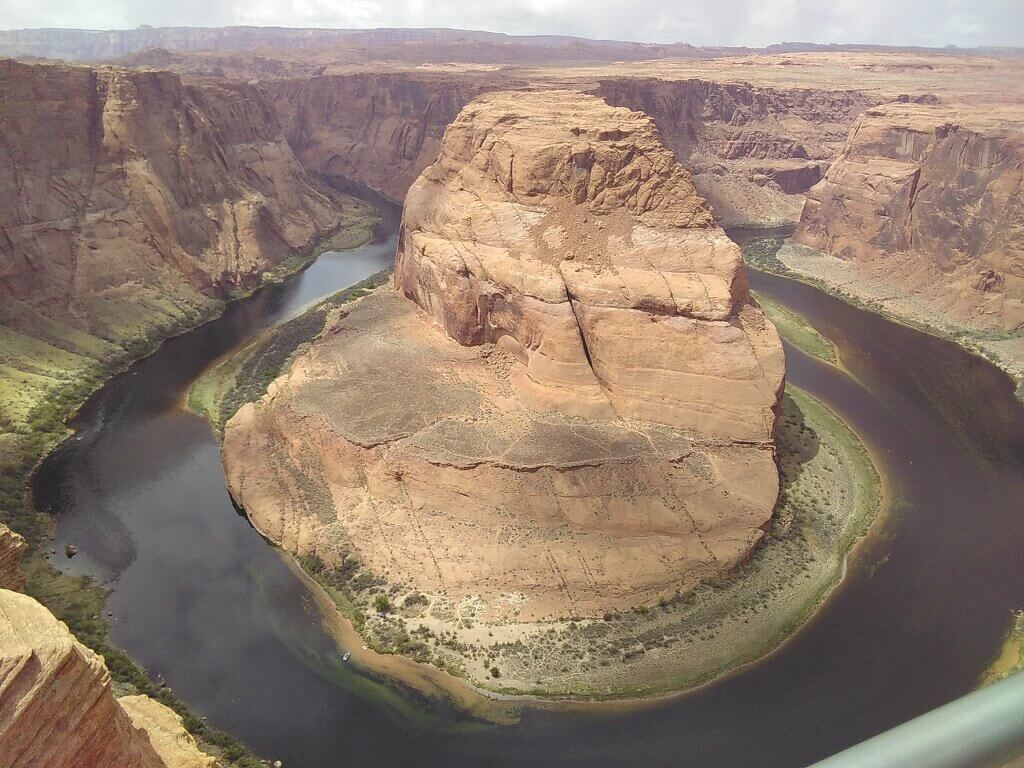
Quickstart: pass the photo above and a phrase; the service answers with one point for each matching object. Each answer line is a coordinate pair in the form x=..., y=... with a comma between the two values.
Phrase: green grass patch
x=797, y=331
x=244, y=376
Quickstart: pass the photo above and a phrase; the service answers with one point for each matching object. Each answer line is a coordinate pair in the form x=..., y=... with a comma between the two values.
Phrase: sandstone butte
x=930, y=198
x=567, y=405
x=57, y=706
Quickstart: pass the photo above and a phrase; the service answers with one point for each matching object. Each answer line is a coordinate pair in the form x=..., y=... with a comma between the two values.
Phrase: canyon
x=132, y=205
x=570, y=334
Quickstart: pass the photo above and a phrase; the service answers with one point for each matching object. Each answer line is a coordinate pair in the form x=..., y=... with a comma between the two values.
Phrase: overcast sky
x=700, y=22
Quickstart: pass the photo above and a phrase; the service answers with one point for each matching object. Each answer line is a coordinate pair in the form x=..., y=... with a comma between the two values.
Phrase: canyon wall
x=753, y=151
x=568, y=405
x=378, y=129
x=931, y=199
x=130, y=199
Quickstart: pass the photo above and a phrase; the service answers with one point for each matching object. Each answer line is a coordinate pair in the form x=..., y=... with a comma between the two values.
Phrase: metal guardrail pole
x=973, y=731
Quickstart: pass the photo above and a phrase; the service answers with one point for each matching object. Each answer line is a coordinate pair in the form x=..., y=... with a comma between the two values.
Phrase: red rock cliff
x=127, y=196
x=932, y=197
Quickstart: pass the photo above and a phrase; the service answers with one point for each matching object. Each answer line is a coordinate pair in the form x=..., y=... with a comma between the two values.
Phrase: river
x=199, y=598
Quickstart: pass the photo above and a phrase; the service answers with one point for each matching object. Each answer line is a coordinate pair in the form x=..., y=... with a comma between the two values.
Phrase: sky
x=700, y=22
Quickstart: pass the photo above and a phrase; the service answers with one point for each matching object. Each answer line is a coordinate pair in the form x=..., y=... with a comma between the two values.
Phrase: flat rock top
x=448, y=404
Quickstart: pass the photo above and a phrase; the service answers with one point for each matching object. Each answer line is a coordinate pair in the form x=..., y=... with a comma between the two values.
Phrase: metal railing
x=980, y=729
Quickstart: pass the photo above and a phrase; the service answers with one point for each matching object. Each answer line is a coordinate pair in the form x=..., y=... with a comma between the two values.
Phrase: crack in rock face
x=595, y=261
x=569, y=397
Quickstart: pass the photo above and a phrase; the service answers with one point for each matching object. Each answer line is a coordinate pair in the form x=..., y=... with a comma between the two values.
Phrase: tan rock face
x=11, y=547
x=753, y=151
x=127, y=197
x=576, y=418
x=57, y=708
x=931, y=197
x=569, y=235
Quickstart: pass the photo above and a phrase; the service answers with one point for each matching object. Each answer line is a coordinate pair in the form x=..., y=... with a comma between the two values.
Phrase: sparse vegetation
x=44, y=377
x=798, y=331
x=245, y=376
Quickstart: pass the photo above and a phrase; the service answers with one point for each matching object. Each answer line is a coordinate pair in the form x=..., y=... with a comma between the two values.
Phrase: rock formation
x=130, y=200
x=572, y=237
x=931, y=198
x=57, y=706
x=578, y=416
x=11, y=546
x=753, y=151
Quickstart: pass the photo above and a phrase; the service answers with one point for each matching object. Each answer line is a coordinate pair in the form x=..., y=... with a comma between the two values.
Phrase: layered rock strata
x=930, y=199
x=577, y=416
x=57, y=705
x=11, y=547
x=129, y=199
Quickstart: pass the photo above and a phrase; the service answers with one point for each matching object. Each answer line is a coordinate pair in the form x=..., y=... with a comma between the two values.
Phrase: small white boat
x=347, y=654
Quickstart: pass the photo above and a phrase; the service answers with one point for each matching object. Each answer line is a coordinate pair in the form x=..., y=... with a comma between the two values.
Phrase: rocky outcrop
x=129, y=199
x=572, y=236
x=930, y=198
x=753, y=151
x=58, y=710
x=579, y=414
x=11, y=547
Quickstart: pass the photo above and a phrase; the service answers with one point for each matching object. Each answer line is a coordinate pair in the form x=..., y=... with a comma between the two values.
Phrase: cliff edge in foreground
x=57, y=704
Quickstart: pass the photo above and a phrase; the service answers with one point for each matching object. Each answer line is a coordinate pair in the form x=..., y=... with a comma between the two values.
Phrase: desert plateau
x=401, y=394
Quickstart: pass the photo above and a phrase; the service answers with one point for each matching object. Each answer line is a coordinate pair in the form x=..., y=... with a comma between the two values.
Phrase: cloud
x=701, y=22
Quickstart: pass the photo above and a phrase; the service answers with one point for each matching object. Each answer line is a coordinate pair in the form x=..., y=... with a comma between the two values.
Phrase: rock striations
x=57, y=706
x=930, y=199
x=575, y=411
x=11, y=547
x=58, y=710
x=129, y=199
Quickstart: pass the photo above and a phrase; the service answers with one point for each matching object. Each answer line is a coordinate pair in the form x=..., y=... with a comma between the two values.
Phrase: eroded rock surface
x=930, y=199
x=129, y=199
x=11, y=547
x=578, y=415
x=561, y=228
x=57, y=706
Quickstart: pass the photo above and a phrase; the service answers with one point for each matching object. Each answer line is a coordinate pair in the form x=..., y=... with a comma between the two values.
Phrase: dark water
x=199, y=598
